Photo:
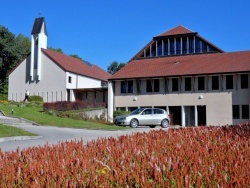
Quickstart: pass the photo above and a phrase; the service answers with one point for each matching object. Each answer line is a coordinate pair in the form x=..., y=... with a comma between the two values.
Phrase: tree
x=76, y=56
x=57, y=50
x=115, y=66
x=12, y=50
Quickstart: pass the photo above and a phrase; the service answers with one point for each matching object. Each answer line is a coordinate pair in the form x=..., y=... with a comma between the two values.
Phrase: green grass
x=37, y=115
x=9, y=131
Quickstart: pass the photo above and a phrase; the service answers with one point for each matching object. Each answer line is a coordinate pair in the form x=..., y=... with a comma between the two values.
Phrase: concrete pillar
x=195, y=116
x=110, y=101
x=183, y=116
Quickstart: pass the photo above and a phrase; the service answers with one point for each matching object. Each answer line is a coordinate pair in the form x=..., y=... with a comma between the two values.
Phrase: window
x=178, y=46
x=149, y=86
x=158, y=111
x=244, y=81
x=69, y=79
x=123, y=87
x=191, y=45
x=245, y=111
x=201, y=83
x=236, y=112
x=147, y=112
x=172, y=51
x=175, y=84
x=215, y=82
x=156, y=85
x=188, y=85
x=130, y=86
x=159, y=48
x=229, y=81
x=153, y=85
x=127, y=86
x=184, y=45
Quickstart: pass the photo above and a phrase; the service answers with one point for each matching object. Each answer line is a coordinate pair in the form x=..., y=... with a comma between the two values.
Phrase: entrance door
x=202, y=115
x=68, y=95
x=175, y=114
x=189, y=116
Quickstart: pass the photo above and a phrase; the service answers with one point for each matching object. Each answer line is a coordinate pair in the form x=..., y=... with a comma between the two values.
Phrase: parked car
x=144, y=116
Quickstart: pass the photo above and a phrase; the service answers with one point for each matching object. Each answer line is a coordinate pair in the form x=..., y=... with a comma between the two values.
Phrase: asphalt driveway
x=53, y=135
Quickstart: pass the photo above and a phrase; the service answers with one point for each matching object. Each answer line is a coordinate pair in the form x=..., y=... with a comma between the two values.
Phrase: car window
x=137, y=111
x=158, y=111
x=147, y=111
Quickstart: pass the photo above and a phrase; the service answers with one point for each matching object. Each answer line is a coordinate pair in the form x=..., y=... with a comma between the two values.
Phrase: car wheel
x=134, y=123
x=164, y=123
x=152, y=126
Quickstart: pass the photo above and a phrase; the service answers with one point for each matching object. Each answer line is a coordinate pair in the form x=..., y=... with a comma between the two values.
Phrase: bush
x=67, y=105
x=35, y=98
x=192, y=157
x=120, y=113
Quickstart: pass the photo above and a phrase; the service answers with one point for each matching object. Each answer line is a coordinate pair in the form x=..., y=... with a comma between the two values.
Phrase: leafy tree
x=57, y=50
x=76, y=56
x=115, y=66
x=12, y=50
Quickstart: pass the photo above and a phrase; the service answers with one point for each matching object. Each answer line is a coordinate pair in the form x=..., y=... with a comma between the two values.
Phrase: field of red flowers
x=186, y=157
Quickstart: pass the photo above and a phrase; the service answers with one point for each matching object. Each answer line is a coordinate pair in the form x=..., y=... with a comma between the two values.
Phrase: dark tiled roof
x=38, y=26
x=214, y=63
x=179, y=30
x=77, y=66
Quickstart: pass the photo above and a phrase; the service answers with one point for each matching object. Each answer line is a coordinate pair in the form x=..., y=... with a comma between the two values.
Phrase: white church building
x=55, y=76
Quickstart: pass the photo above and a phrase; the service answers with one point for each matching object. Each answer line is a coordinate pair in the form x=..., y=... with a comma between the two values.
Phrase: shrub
x=67, y=105
x=35, y=98
x=120, y=113
x=191, y=157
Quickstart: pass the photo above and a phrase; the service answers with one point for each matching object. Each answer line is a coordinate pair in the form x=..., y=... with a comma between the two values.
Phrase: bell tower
x=38, y=41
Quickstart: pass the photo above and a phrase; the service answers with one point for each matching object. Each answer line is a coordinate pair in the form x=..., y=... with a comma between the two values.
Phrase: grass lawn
x=37, y=115
x=9, y=131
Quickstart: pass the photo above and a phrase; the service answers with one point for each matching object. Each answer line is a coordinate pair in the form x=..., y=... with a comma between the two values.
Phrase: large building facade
x=55, y=76
x=183, y=73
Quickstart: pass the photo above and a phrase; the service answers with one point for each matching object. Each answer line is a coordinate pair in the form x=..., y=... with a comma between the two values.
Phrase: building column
x=110, y=101
x=183, y=116
x=195, y=116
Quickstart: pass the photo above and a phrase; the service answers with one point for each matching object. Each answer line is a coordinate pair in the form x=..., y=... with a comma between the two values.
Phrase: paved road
x=53, y=135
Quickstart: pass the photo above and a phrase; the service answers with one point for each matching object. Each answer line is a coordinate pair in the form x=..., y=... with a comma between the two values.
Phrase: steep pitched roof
x=38, y=26
x=179, y=30
x=185, y=65
x=77, y=66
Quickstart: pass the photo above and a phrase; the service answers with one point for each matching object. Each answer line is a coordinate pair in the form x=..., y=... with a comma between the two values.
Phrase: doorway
x=175, y=114
x=202, y=115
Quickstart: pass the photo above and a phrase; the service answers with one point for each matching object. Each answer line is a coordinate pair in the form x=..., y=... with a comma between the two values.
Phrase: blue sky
x=115, y=30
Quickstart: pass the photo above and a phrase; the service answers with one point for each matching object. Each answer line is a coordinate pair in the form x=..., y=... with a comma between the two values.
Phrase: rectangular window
x=188, y=84
x=172, y=52
x=123, y=87
x=130, y=86
x=69, y=79
x=184, y=45
x=245, y=111
x=229, y=81
x=148, y=86
x=215, y=82
x=201, y=83
x=244, y=81
x=156, y=85
x=153, y=85
x=175, y=84
x=127, y=86
x=191, y=45
x=236, y=111
x=178, y=46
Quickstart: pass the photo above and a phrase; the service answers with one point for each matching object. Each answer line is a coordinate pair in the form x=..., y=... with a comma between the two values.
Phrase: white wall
x=51, y=87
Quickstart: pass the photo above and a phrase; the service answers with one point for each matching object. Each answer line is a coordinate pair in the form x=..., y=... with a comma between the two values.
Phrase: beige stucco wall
x=218, y=103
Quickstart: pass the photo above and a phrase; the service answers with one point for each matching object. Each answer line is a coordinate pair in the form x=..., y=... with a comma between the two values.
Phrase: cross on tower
x=39, y=13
